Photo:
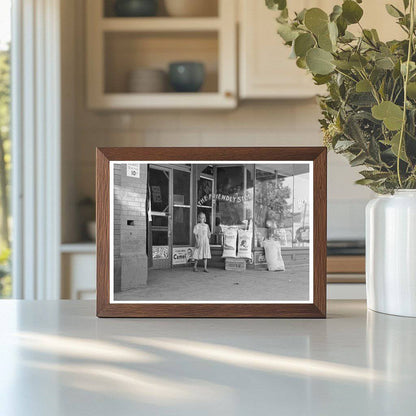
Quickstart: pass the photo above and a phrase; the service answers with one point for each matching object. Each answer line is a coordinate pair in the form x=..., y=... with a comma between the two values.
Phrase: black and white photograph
x=211, y=232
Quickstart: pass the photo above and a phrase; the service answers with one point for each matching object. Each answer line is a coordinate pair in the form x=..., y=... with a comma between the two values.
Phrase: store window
x=282, y=204
x=301, y=209
x=234, y=195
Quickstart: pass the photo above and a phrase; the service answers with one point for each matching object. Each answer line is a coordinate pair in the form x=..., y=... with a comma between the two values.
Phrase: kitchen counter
x=58, y=359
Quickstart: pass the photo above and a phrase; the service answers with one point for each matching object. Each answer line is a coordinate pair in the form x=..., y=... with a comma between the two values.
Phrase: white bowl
x=191, y=8
x=146, y=80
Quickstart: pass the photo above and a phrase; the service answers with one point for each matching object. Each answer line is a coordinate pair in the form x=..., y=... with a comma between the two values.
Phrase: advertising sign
x=181, y=255
x=133, y=170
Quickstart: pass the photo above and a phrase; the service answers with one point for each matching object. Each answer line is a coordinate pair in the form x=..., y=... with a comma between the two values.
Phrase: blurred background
x=99, y=73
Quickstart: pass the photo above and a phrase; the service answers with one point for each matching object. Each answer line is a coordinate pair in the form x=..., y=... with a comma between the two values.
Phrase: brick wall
x=130, y=258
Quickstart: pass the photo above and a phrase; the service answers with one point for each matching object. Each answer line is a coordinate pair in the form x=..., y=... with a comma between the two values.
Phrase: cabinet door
x=265, y=68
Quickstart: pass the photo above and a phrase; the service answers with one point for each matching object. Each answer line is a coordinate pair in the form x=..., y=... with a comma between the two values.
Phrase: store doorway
x=161, y=219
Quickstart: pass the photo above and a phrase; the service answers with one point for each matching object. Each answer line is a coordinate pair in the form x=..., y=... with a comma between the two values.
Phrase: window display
x=281, y=204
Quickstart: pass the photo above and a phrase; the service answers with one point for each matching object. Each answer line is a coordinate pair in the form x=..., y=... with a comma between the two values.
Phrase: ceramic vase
x=391, y=253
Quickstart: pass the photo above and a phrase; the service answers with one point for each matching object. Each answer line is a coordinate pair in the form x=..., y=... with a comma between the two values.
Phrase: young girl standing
x=202, y=235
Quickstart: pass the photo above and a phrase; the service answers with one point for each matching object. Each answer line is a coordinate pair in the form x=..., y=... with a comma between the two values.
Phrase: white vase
x=391, y=253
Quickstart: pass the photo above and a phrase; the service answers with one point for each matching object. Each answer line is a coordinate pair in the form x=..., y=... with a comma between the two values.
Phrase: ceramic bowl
x=147, y=80
x=186, y=76
x=135, y=8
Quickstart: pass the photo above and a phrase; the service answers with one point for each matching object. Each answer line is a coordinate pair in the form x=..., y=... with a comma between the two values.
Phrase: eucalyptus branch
x=405, y=81
x=346, y=75
x=373, y=89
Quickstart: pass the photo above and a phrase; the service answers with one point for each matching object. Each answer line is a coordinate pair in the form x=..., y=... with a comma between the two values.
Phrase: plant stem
x=346, y=75
x=406, y=80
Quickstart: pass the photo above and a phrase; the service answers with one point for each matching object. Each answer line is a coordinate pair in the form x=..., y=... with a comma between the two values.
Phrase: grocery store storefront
x=270, y=200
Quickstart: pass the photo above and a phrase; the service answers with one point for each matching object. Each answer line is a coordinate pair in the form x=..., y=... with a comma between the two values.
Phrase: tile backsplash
x=287, y=123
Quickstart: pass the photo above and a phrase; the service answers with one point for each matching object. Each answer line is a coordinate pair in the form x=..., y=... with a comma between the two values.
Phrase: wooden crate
x=232, y=264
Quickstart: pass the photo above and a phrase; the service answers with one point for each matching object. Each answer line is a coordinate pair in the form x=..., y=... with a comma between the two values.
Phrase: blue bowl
x=186, y=76
x=136, y=8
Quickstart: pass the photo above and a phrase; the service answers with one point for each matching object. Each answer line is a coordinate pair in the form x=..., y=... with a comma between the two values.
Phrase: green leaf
x=286, y=32
x=343, y=145
x=333, y=32
x=348, y=37
x=319, y=61
x=301, y=63
x=301, y=15
x=406, y=4
x=342, y=25
x=316, y=20
x=364, y=181
x=394, y=145
x=351, y=11
x=374, y=150
x=336, y=12
x=391, y=114
x=393, y=11
x=374, y=175
x=321, y=79
x=368, y=36
x=325, y=42
x=284, y=13
x=385, y=63
x=411, y=90
x=358, y=160
x=276, y=4
x=412, y=67
x=343, y=65
x=358, y=61
x=303, y=43
x=363, y=86
x=375, y=35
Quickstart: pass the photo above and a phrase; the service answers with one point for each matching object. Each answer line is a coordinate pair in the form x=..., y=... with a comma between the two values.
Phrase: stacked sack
x=237, y=244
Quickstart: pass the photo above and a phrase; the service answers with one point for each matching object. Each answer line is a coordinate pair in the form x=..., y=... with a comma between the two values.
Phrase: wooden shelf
x=80, y=247
x=346, y=264
x=346, y=269
x=159, y=24
x=163, y=101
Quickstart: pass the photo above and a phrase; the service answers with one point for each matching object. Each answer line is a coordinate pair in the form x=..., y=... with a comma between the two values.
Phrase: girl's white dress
x=202, y=232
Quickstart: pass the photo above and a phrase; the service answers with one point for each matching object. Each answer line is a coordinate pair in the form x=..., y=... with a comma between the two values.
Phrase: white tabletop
x=58, y=359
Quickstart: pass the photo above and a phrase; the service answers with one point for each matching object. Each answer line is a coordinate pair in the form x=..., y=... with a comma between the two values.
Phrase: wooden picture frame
x=314, y=307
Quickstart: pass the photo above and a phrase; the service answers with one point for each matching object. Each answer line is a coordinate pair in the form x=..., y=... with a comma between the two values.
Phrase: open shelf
x=127, y=51
x=130, y=101
x=116, y=46
x=160, y=24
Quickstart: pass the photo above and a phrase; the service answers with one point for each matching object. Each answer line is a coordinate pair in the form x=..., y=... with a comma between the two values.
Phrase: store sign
x=160, y=252
x=181, y=255
x=133, y=170
x=235, y=199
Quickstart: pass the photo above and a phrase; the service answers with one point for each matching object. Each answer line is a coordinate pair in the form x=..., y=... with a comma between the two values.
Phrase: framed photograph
x=211, y=232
